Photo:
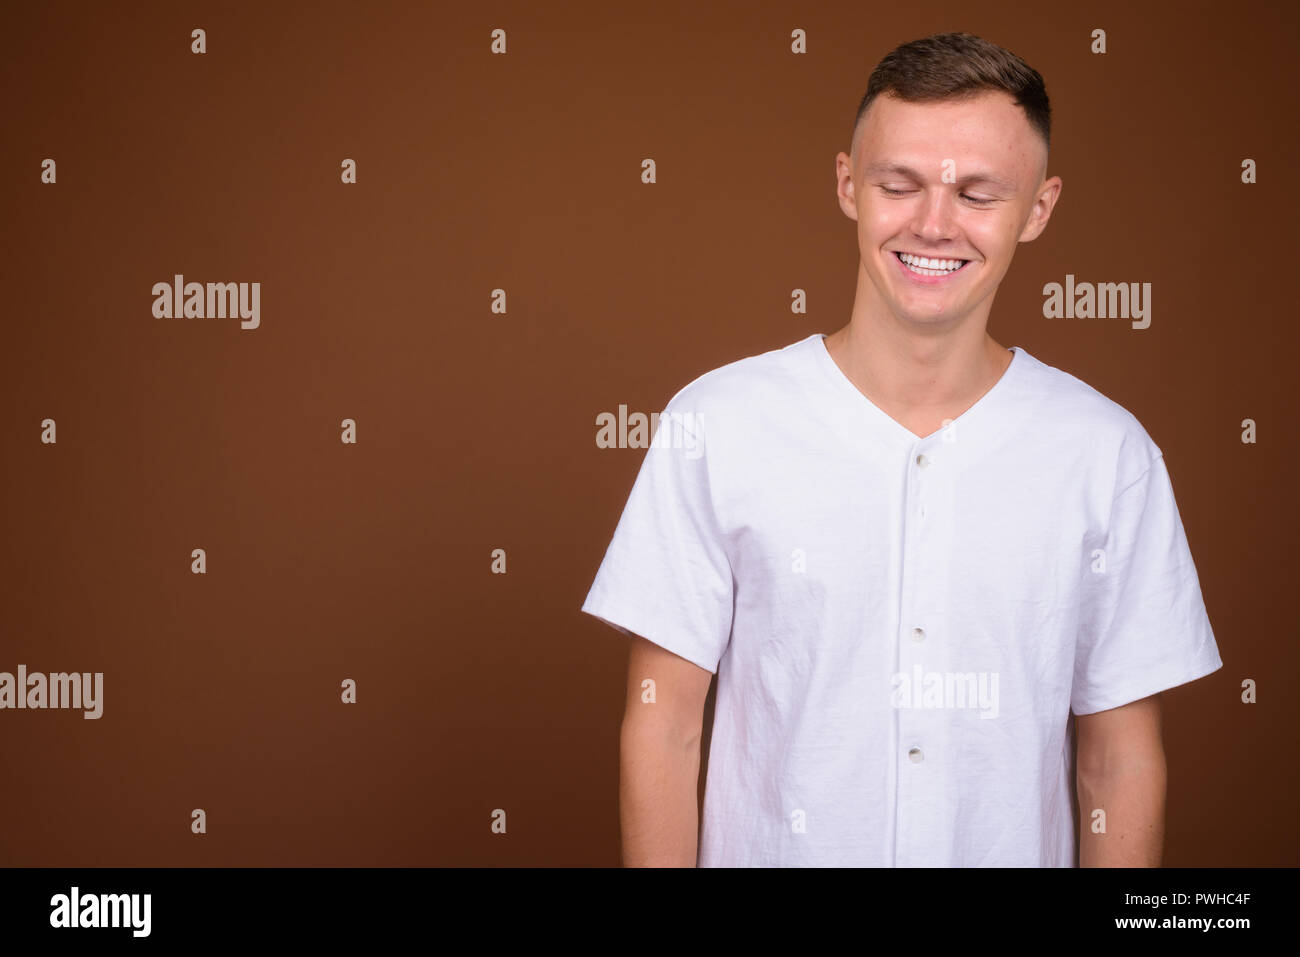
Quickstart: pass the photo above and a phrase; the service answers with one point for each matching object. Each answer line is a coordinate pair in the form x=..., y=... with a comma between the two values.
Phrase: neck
x=918, y=373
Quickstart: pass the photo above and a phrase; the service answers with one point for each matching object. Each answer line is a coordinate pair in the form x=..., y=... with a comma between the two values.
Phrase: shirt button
x=918, y=634
x=916, y=755
x=922, y=460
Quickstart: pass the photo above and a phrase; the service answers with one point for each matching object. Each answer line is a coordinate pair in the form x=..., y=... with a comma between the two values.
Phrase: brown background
x=476, y=431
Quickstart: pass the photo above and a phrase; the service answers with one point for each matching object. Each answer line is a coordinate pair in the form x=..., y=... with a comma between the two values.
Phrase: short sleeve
x=1143, y=624
x=666, y=575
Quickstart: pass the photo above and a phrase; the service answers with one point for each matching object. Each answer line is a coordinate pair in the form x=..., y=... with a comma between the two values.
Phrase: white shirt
x=901, y=626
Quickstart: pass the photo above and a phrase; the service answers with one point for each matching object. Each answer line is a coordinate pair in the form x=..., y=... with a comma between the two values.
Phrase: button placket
x=920, y=566
x=922, y=463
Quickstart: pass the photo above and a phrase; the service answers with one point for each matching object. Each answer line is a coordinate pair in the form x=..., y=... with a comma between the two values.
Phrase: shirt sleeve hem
x=1138, y=690
x=635, y=622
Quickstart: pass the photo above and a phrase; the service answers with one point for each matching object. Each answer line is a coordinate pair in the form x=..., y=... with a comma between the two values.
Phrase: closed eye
x=903, y=192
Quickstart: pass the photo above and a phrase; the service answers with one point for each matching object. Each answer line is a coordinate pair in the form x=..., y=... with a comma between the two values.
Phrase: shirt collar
x=986, y=417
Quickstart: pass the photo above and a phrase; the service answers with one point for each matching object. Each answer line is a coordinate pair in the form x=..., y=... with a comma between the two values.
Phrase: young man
x=909, y=554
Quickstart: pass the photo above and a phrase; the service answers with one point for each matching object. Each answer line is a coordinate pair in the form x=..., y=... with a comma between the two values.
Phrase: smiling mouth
x=924, y=266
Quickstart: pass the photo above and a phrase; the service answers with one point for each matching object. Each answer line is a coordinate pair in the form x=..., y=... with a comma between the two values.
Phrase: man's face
x=947, y=180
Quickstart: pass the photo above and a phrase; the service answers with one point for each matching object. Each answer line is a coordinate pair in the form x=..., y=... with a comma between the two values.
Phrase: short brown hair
x=957, y=66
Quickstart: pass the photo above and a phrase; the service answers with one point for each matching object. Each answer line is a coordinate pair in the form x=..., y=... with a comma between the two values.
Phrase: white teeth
x=930, y=267
x=921, y=262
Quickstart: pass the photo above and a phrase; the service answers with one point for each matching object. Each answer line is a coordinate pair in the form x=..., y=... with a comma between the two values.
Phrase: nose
x=935, y=217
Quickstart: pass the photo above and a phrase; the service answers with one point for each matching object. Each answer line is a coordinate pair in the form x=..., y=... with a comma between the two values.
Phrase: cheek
x=994, y=238
x=984, y=244
x=879, y=223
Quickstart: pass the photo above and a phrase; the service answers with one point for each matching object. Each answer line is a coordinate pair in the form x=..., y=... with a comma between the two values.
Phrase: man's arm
x=660, y=758
x=1121, y=770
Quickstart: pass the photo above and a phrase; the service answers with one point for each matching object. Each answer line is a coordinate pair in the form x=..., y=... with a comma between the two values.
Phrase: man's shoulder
x=746, y=383
x=1066, y=406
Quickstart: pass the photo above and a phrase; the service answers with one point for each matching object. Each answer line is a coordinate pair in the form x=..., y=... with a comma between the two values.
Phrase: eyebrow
x=979, y=176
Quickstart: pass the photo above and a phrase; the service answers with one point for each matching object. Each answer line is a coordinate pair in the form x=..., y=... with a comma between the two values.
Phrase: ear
x=1041, y=211
x=845, y=190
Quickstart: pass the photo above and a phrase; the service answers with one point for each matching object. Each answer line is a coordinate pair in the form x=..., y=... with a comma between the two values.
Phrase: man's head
x=948, y=161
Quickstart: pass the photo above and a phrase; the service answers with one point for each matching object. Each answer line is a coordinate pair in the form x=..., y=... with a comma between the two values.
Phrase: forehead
x=987, y=130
